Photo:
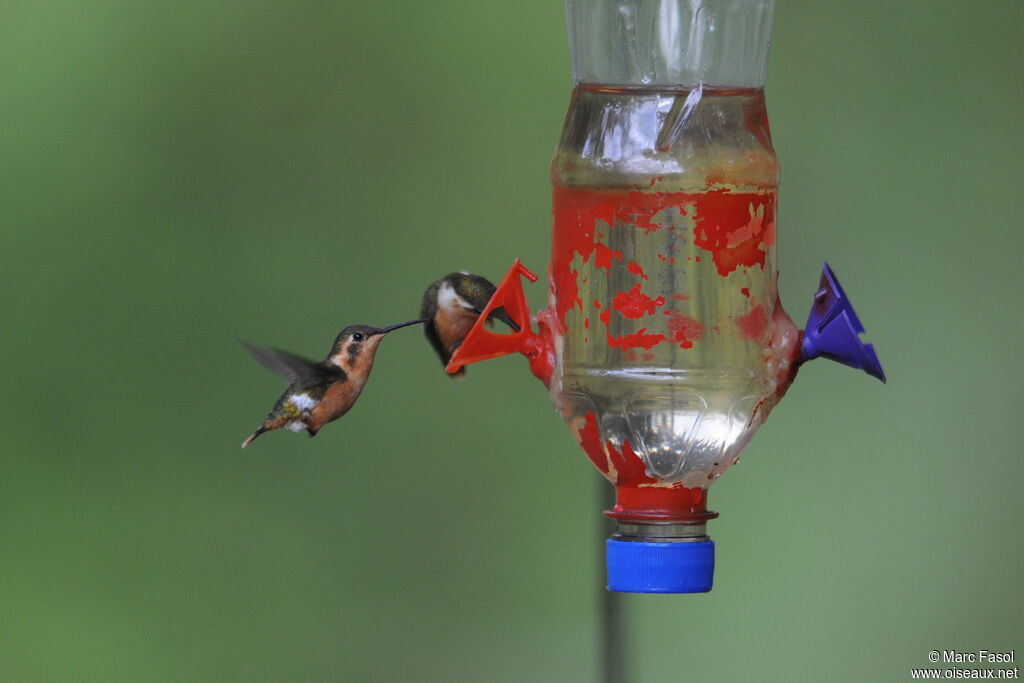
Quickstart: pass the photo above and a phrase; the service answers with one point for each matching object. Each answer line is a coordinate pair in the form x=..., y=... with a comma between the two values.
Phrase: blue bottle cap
x=641, y=567
x=833, y=329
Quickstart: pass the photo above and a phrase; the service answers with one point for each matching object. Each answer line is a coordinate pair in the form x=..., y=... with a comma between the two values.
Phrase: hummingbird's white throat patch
x=449, y=300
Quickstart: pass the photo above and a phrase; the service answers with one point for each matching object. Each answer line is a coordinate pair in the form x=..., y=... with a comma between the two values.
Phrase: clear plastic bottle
x=664, y=272
x=663, y=275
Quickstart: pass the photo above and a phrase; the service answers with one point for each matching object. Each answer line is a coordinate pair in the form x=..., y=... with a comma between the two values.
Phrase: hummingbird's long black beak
x=499, y=313
x=385, y=330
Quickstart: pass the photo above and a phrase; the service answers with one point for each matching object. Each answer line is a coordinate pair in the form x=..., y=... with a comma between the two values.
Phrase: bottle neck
x=660, y=515
x=670, y=43
x=659, y=505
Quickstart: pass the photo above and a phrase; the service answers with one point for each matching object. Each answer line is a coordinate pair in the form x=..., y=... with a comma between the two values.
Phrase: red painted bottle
x=669, y=339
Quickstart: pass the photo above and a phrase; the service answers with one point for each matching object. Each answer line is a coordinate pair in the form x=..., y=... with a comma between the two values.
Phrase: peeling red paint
x=590, y=442
x=685, y=330
x=783, y=354
x=636, y=269
x=586, y=323
x=745, y=291
x=579, y=214
x=597, y=304
x=606, y=316
x=573, y=233
x=629, y=468
x=769, y=233
x=603, y=256
x=736, y=228
x=641, y=339
x=752, y=324
x=635, y=304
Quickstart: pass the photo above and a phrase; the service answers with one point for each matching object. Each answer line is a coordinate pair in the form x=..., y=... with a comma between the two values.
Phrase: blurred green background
x=174, y=175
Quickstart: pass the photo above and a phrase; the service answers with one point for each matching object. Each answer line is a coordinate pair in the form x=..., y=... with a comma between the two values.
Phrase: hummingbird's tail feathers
x=252, y=437
x=430, y=332
x=459, y=374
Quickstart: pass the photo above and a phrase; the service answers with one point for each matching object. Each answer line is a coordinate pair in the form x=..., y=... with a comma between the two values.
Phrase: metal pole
x=610, y=605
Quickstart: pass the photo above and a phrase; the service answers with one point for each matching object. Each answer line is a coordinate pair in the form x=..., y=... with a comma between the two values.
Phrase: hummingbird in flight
x=319, y=393
x=450, y=308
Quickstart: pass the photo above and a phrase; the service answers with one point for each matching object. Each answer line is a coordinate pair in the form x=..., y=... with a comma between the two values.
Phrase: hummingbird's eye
x=357, y=336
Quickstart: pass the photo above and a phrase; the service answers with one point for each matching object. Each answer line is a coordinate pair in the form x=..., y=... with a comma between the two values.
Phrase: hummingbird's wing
x=294, y=368
x=429, y=302
x=428, y=309
x=430, y=331
x=477, y=291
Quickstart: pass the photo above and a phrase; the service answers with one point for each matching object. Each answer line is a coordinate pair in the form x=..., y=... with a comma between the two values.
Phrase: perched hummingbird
x=451, y=306
x=318, y=393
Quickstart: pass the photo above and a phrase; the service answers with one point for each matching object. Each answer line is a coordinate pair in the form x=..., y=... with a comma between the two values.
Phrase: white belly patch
x=303, y=402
